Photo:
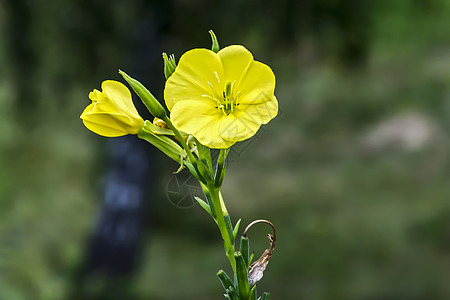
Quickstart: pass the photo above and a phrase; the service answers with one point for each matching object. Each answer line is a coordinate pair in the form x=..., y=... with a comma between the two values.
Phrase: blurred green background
x=354, y=172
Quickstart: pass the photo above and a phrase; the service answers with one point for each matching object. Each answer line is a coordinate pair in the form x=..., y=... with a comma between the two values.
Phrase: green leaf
x=251, y=258
x=204, y=205
x=191, y=169
x=265, y=296
x=253, y=293
x=236, y=228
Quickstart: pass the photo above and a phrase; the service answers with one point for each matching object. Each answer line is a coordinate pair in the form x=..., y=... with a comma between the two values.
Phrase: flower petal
x=200, y=119
x=118, y=98
x=247, y=119
x=106, y=125
x=197, y=77
x=257, y=85
x=235, y=60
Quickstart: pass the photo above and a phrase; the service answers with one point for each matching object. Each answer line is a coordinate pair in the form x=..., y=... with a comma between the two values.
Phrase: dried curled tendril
x=256, y=269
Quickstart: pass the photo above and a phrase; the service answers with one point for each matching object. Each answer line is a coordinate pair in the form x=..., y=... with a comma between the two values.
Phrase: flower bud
x=153, y=105
x=215, y=43
x=169, y=64
x=112, y=112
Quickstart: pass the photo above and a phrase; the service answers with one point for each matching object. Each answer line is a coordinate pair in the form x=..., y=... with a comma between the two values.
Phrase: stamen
x=229, y=97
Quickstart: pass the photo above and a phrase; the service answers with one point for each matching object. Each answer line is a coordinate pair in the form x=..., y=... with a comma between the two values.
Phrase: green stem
x=221, y=214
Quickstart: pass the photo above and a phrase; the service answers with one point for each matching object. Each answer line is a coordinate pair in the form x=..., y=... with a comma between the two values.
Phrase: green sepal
x=245, y=248
x=158, y=130
x=204, y=154
x=163, y=143
x=204, y=205
x=215, y=43
x=220, y=168
x=242, y=277
x=253, y=293
x=152, y=104
x=203, y=171
x=169, y=64
x=225, y=280
x=265, y=296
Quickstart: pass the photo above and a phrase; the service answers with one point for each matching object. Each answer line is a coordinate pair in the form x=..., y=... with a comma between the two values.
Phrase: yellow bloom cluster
x=219, y=98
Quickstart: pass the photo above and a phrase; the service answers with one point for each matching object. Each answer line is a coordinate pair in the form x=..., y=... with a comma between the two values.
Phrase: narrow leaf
x=253, y=293
x=236, y=228
x=203, y=204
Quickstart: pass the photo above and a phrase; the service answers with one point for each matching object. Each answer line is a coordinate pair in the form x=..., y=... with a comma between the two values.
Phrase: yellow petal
x=261, y=113
x=233, y=128
x=202, y=120
x=235, y=60
x=197, y=77
x=257, y=85
x=104, y=125
x=245, y=121
x=118, y=98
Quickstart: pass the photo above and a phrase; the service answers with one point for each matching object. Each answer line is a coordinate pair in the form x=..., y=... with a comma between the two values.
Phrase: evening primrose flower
x=221, y=98
x=112, y=112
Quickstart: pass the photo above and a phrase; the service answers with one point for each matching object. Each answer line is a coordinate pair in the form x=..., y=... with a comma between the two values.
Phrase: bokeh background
x=354, y=172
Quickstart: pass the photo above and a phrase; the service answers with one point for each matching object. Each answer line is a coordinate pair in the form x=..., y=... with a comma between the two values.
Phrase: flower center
x=229, y=99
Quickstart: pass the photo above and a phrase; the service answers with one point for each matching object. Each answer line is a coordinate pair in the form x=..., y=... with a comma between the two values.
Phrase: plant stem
x=221, y=214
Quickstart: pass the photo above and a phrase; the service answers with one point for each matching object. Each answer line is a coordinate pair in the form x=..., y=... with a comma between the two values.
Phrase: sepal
x=163, y=143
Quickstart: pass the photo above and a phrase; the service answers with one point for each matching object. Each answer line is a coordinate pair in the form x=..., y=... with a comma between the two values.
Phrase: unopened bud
x=152, y=104
x=169, y=64
x=215, y=43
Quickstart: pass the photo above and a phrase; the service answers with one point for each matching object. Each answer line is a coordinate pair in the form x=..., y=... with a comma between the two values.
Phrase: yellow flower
x=221, y=98
x=112, y=112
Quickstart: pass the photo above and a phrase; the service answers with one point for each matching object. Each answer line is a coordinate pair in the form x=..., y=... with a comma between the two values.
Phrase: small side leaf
x=253, y=293
x=265, y=296
x=236, y=228
x=251, y=258
x=203, y=204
